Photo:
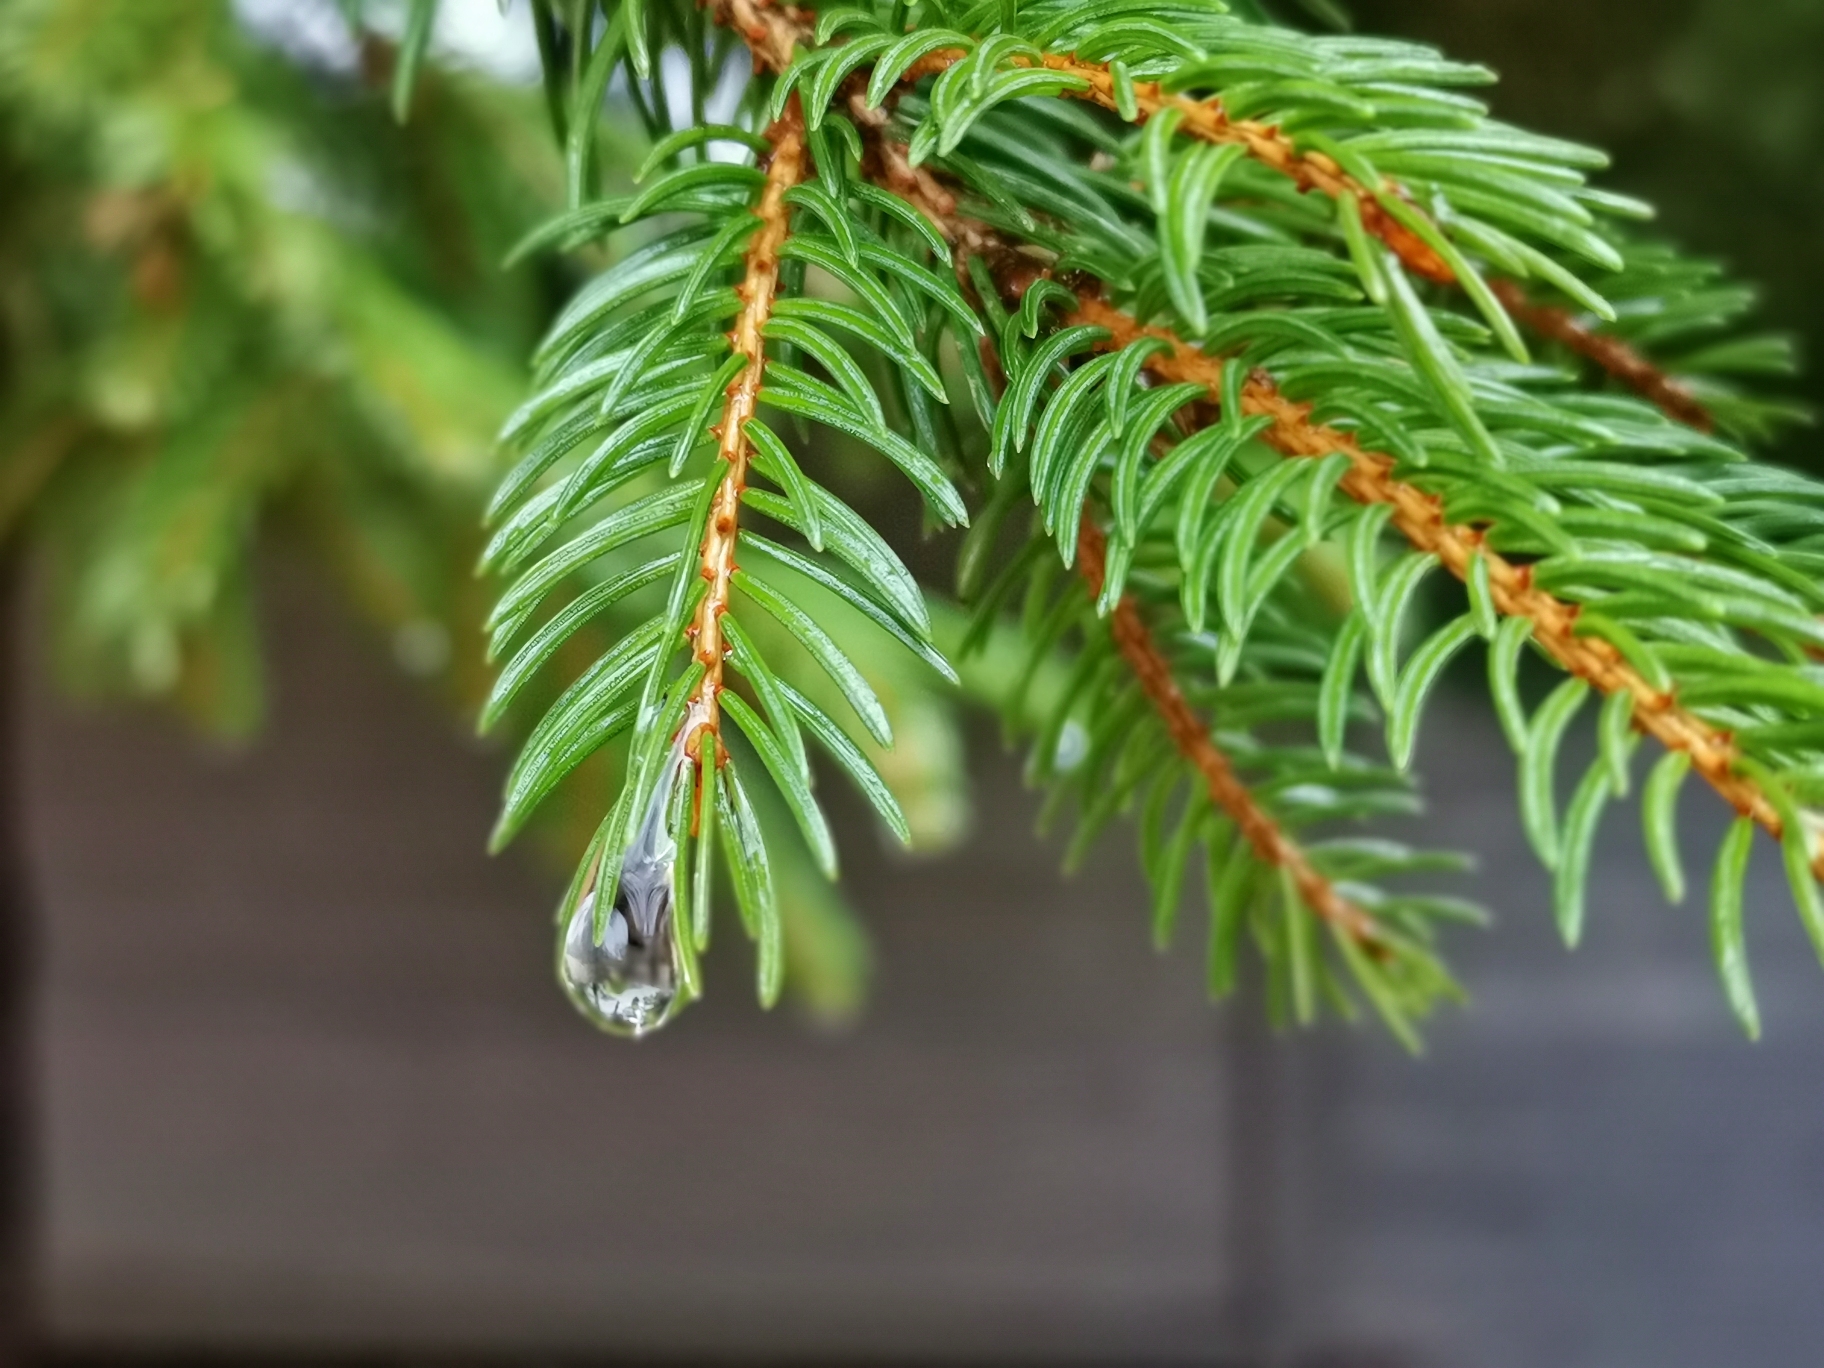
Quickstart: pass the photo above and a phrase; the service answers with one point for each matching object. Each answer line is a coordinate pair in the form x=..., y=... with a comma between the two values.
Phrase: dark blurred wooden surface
x=308, y=1077
x=18, y=926
x=1591, y=1167
x=307, y=1083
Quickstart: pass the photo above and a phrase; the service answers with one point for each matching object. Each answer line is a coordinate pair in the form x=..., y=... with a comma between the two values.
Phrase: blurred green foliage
x=235, y=293
x=1714, y=112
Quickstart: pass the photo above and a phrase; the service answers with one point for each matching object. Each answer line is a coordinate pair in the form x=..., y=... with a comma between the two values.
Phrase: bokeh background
x=293, y=1083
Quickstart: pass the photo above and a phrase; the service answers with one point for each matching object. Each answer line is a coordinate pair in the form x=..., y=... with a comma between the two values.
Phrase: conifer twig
x=1417, y=515
x=1266, y=144
x=1420, y=518
x=851, y=100
x=759, y=281
x=1613, y=355
x=1271, y=845
x=887, y=164
x=771, y=32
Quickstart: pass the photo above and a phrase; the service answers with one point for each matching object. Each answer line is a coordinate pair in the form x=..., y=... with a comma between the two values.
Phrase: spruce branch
x=1614, y=356
x=1207, y=121
x=1269, y=840
x=759, y=282
x=1014, y=272
x=1271, y=212
x=1419, y=517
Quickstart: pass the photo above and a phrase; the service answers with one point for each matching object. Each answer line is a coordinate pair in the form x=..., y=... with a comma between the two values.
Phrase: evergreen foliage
x=1223, y=351
x=241, y=305
x=235, y=296
x=1223, y=339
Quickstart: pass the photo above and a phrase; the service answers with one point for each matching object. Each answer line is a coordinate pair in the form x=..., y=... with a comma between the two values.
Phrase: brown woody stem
x=1269, y=841
x=770, y=31
x=886, y=163
x=1420, y=518
x=759, y=282
x=1266, y=144
x=1613, y=355
x=773, y=31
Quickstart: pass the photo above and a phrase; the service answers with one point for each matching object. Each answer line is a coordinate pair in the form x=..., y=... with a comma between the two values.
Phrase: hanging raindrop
x=627, y=982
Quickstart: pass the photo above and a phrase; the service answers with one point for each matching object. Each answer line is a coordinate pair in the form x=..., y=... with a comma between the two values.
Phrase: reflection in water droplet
x=627, y=982
x=1073, y=747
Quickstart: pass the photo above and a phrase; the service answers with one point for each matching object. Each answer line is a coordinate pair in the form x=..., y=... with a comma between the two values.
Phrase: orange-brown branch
x=1266, y=144
x=759, y=281
x=1014, y=271
x=1613, y=355
x=1420, y=518
x=772, y=31
x=1269, y=841
x=771, y=34
x=1417, y=515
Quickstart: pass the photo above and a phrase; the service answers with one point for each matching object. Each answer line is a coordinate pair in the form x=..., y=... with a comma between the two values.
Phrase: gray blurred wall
x=305, y=1081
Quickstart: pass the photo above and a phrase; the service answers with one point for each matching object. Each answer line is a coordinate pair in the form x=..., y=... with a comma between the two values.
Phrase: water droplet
x=1073, y=747
x=627, y=982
